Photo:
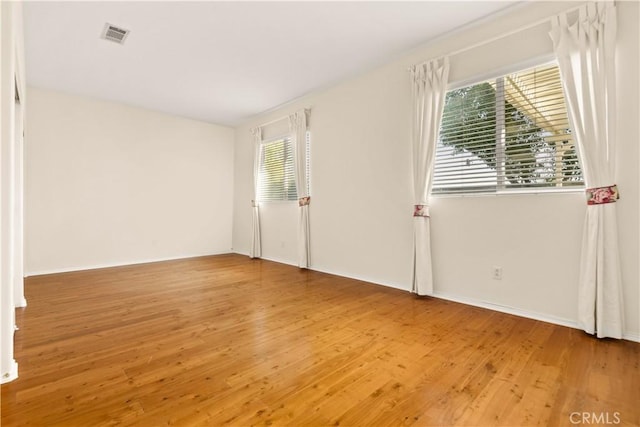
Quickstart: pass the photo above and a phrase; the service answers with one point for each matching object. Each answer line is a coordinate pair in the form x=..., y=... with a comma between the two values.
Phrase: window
x=276, y=174
x=511, y=133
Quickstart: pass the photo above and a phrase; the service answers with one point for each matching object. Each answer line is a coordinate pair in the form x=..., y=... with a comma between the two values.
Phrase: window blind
x=276, y=179
x=510, y=133
x=276, y=173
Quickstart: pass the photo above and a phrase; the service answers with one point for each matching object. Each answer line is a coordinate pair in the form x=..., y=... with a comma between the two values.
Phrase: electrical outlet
x=497, y=273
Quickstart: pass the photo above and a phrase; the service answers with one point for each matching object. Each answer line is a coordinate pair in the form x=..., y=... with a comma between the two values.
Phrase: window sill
x=536, y=192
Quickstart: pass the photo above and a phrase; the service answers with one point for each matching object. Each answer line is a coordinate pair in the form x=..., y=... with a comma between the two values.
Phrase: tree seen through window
x=512, y=132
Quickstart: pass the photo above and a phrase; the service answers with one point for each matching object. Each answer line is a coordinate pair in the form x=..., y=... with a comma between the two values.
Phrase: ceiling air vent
x=114, y=34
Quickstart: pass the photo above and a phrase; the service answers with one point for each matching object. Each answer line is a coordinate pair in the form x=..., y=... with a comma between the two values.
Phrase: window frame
x=499, y=188
x=288, y=139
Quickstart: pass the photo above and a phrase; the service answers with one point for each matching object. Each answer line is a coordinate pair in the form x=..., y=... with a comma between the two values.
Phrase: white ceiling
x=223, y=62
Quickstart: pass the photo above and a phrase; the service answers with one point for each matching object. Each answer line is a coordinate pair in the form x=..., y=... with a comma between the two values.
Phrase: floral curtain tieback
x=304, y=201
x=602, y=195
x=421, y=210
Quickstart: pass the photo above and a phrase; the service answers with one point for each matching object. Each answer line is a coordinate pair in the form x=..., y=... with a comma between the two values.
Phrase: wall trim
x=508, y=310
x=360, y=278
x=118, y=264
x=322, y=270
x=630, y=336
x=12, y=374
x=272, y=259
x=279, y=260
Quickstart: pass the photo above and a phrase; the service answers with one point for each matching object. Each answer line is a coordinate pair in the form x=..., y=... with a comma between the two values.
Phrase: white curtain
x=298, y=129
x=256, y=247
x=585, y=51
x=429, y=89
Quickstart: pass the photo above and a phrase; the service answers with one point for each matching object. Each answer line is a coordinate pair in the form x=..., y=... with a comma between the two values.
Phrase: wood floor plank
x=225, y=340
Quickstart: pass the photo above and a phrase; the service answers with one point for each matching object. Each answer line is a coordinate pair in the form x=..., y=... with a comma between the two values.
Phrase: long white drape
x=586, y=56
x=298, y=129
x=429, y=89
x=256, y=247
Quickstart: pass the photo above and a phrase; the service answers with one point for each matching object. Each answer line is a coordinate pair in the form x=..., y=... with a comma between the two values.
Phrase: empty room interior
x=303, y=213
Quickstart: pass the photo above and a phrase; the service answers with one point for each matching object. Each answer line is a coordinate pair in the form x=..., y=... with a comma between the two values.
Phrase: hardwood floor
x=226, y=340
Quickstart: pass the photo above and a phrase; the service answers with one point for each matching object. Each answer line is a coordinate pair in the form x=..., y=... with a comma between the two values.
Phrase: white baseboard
x=11, y=374
x=360, y=278
x=632, y=336
x=272, y=259
x=279, y=261
x=333, y=272
x=543, y=317
x=117, y=264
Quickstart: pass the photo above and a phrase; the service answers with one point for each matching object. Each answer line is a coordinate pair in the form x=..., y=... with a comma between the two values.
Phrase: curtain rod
x=270, y=122
x=498, y=37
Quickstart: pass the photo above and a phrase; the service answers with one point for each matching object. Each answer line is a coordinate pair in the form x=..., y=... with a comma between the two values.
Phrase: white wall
x=109, y=184
x=361, y=223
